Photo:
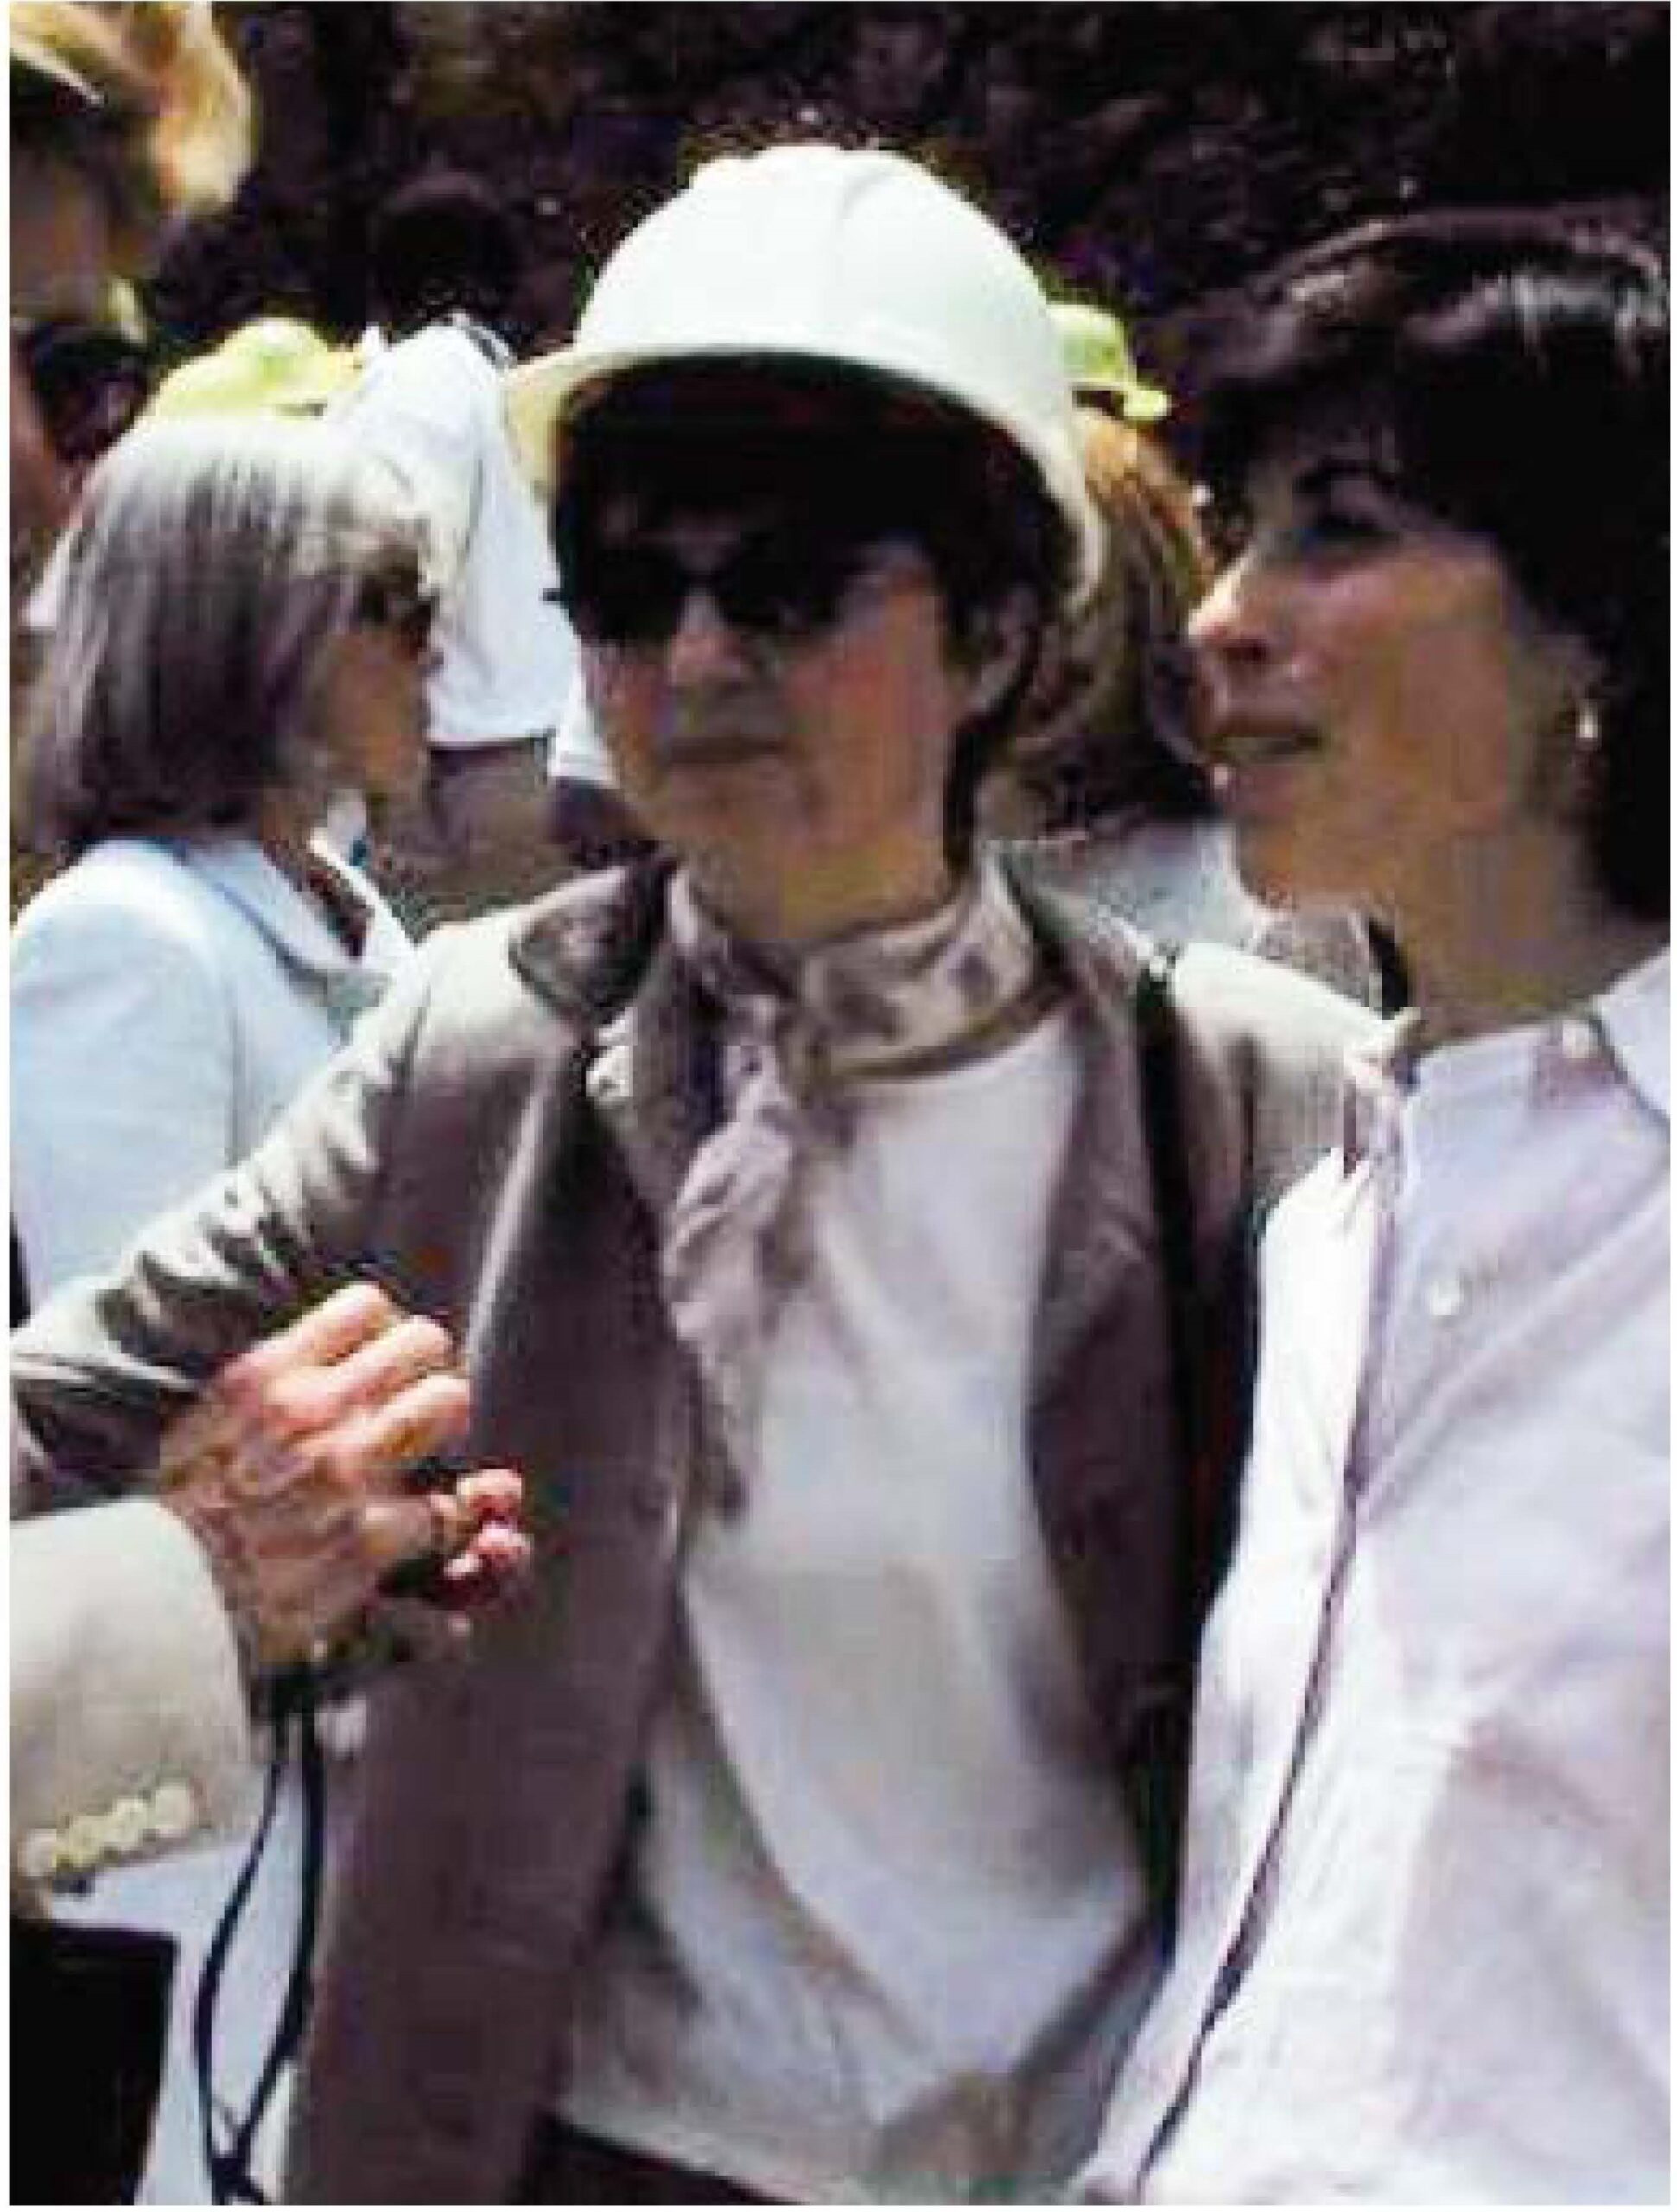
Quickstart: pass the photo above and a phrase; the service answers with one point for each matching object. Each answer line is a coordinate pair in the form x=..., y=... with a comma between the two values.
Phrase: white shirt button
x=126, y=1824
x=84, y=1842
x=1446, y=1297
x=40, y=1855
x=1577, y=1039
x=174, y=1811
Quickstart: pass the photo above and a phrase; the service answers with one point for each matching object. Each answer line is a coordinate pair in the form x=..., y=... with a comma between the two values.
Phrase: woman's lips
x=723, y=741
x=1254, y=745
x=1252, y=760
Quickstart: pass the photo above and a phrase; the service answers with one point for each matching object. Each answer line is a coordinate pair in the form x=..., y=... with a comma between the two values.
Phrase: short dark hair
x=442, y=243
x=1520, y=362
x=720, y=435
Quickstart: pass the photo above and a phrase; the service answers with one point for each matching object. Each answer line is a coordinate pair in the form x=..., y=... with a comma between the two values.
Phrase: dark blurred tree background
x=1150, y=152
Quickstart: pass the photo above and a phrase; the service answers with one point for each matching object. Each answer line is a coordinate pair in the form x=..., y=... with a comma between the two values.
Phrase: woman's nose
x=1232, y=632
x=704, y=647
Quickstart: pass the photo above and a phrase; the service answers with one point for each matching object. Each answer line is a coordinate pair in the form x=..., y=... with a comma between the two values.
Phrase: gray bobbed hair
x=210, y=567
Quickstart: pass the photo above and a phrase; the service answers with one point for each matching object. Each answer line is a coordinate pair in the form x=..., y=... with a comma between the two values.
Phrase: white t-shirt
x=886, y=1934
x=431, y=407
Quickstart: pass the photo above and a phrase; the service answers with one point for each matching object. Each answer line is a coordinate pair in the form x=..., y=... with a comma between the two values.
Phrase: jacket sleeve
x=128, y=1727
x=103, y=1367
x=123, y=1058
x=1279, y=1042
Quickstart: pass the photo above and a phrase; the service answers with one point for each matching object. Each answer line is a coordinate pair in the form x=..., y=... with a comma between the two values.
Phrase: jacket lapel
x=653, y=1081
x=1101, y=1224
x=597, y=949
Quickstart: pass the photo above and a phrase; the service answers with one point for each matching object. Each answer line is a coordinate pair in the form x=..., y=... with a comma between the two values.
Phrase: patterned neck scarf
x=796, y=1040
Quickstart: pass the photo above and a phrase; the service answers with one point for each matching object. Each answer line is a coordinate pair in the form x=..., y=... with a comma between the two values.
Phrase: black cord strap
x=229, y=2164
x=1162, y=1113
x=1161, y=1781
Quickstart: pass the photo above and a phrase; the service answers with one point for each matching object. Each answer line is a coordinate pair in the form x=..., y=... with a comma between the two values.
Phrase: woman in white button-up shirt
x=1424, y=1947
x=242, y=636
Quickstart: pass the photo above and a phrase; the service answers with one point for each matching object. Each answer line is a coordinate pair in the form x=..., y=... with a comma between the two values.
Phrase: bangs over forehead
x=730, y=435
x=1484, y=342
x=846, y=453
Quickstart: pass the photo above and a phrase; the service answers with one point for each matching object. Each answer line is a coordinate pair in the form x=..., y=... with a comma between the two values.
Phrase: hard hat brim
x=535, y=395
x=537, y=392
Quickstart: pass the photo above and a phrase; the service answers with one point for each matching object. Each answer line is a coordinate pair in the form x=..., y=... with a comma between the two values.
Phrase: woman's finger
x=330, y=1332
x=371, y=1449
x=411, y=1349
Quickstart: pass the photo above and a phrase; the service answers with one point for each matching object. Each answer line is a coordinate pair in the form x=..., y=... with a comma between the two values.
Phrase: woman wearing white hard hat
x=810, y=1834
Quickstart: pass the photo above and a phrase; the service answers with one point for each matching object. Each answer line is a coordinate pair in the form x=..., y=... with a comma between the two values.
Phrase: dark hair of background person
x=1113, y=694
x=441, y=244
x=1520, y=362
x=844, y=451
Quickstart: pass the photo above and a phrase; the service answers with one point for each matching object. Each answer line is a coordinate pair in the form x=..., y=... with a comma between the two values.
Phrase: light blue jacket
x=169, y=998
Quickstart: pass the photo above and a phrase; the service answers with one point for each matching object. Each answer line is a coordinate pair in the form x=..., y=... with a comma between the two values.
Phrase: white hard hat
x=816, y=253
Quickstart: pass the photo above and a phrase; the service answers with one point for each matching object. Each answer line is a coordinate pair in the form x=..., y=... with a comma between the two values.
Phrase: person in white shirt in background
x=129, y=1654
x=445, y=269
x=1424, y=1940
x=589, y=819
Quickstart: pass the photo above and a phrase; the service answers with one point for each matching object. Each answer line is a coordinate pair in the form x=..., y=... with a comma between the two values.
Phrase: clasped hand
x=294, y=1471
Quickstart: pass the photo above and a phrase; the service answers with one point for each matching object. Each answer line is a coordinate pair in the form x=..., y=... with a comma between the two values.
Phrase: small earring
x=1587, y=728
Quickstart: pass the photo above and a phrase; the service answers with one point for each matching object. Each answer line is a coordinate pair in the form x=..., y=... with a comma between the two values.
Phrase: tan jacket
x=129, y=1731
x=494, y=1149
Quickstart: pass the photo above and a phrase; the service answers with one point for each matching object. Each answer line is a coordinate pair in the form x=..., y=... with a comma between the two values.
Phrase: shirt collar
x=1378, y=1076
x=1633, y=1015
x=243, y=873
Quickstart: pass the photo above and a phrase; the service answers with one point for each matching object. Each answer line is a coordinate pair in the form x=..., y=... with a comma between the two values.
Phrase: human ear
x=999, y=642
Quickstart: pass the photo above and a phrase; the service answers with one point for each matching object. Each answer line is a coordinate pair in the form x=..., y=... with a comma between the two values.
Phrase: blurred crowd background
x=1152, y=157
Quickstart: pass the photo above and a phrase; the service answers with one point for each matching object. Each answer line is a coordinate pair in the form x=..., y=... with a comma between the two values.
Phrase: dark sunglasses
x=398, y=604
x=784, y=584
